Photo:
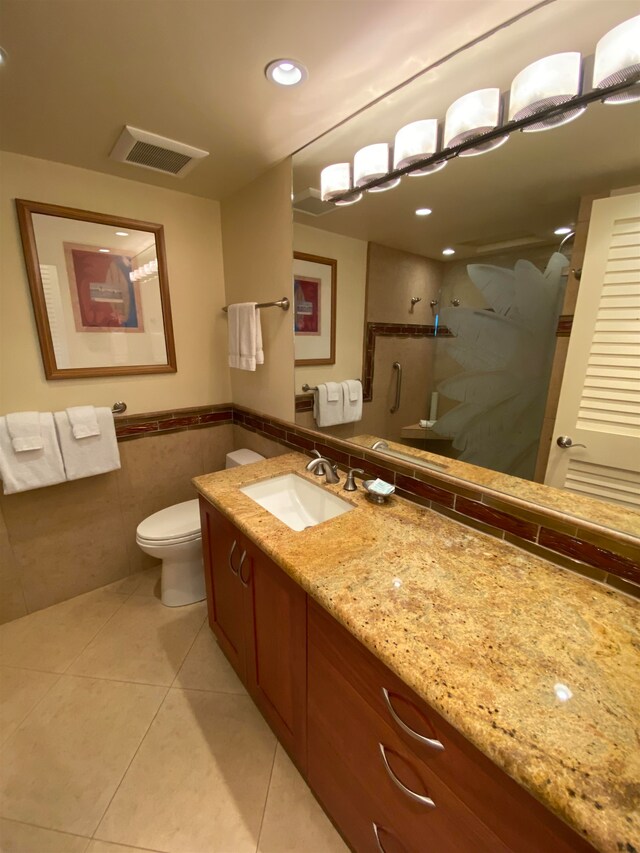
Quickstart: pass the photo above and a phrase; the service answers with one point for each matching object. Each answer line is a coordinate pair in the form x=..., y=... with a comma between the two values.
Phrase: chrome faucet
x=325, y=467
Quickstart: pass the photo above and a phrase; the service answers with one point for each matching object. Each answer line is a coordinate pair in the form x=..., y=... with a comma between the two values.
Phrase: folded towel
x=326, y=412
x=83, y=421
x=24, y=429
x=245, y=336
x=96, y=454
x=352, y=405
x=333, y=391
x=31, y=469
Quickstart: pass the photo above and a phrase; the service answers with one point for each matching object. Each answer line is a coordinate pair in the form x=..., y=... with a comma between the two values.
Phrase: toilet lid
x=179, y=521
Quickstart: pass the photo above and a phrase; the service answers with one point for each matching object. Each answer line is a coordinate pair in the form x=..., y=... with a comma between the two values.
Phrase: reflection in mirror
x=469, y=277
x=99, y=290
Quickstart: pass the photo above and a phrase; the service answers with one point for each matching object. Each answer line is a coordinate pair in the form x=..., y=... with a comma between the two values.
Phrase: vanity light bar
x=543, y=95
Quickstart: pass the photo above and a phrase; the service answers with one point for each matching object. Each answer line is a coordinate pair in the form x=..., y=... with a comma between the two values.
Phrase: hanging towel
x=333, y=392
x=24, y=429
x=328, y=412
x=84, y=422
x=96, y=454
x=31, y=469
x=352, y=394
x=245, y=336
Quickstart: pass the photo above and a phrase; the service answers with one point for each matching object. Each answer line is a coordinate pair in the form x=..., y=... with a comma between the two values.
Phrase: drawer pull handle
x=242, y=580
x=376, y=832
x=429, y=741
x=230, y=557
x=419, y=798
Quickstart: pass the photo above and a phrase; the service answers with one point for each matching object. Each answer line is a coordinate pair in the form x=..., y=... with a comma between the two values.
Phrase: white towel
x=94, y=455
x=333, y=392
x=352, y=395
x=24, y=429
x=245, y=336
x=31, y=469
x=328, y=412
x=84, y=422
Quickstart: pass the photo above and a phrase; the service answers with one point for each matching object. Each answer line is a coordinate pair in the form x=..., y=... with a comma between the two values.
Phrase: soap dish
x=373, y=497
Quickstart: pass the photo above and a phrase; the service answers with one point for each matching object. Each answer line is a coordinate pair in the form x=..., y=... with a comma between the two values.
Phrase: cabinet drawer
x=512, y=814
x=396, y=790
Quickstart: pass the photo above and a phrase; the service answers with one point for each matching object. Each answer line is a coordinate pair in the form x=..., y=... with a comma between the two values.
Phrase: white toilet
x=173, y=535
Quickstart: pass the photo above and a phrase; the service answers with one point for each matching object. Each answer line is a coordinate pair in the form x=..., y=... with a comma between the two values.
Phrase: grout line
x=266, y=799
x=180, y=665
x=32, y=709
x=114, y=680
x=85, y=647
x=136, y=751
x=49, y=829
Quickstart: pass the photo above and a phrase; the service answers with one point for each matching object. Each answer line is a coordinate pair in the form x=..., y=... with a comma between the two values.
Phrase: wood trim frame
x=25, y=209
x=333, y=263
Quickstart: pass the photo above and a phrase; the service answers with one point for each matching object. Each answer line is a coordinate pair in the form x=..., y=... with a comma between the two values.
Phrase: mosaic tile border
x=150, y=423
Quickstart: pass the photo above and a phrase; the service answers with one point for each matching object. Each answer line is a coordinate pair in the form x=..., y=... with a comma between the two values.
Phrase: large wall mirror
x=100, y=292
x=482, y=332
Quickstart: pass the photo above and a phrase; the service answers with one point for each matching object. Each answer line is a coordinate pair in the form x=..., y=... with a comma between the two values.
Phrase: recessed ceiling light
x=423, y=211
x=448, y=251
x=122, y=233
x=286, y=72
x=561, y=231
x=104, y=250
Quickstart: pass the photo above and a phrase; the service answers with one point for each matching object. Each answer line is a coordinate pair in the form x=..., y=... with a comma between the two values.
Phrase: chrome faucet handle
x=350, y=485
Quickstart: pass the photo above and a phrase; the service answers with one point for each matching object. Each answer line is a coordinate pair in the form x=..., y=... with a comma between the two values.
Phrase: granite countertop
x=494, y=638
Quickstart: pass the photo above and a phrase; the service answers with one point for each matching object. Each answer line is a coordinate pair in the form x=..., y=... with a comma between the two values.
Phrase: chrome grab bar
x=230, y=557
x=419, y=798
x=431, y=742
x=397, y=366
x=242, y=580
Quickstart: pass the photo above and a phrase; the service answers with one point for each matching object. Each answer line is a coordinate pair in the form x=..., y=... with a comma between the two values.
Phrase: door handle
x=230, y=557
x=397, y=366
x=376, y=832
x=242, y=580
x=565, y=442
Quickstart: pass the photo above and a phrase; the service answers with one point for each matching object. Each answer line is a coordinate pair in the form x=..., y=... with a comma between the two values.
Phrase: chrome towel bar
x=279, y=303
x=307, y=388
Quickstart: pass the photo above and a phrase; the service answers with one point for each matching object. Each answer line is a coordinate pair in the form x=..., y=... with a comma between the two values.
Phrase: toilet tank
x=242, y=457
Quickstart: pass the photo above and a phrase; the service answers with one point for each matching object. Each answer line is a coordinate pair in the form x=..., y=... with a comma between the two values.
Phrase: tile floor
x=124, y=729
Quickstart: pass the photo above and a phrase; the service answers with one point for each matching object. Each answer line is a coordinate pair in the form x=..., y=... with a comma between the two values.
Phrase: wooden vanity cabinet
x=259, y=617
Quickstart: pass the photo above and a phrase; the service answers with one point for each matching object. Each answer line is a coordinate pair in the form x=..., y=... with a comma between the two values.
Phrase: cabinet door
x=222, y=548
x=276, y=654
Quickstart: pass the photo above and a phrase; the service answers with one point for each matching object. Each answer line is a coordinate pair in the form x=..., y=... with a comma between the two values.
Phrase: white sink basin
x=296, y=501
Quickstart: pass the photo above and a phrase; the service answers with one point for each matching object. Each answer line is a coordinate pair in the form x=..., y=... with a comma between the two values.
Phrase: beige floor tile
x=144, y=642
x=293, y=820
x=206, y=668
x=63, y=765
x=22, y=838
x=20, y=691
x=140, y=583
x=107, y=847
x=199, y=781
x=51, y=639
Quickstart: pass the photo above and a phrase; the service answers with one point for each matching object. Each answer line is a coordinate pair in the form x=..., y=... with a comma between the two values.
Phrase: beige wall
x=59, y=542
x=194, y=256
x=257, y=237
x=351, y=256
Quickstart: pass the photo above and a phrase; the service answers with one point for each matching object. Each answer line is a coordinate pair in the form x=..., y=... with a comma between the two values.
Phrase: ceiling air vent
x=151, y=151
x=310, y=201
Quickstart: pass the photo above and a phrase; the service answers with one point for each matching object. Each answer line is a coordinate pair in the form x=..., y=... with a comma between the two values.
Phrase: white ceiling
x=192, y=70
x=521, y=191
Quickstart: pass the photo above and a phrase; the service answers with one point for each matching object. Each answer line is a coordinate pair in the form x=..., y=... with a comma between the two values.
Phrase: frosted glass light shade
x=415, y=142
x=371, y=163
x=618, y=60
x=549, y=82
x=471, y=116
x=335, y=180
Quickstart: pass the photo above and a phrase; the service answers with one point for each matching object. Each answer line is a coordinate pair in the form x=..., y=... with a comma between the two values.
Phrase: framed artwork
x=100, y=292
x=314, y=309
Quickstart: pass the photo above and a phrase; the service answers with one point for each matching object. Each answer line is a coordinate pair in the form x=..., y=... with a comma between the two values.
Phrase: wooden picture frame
x=120, y=292
x=314, y=309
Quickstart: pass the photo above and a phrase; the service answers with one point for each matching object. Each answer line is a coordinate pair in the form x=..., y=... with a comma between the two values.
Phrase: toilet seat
x=171, y=526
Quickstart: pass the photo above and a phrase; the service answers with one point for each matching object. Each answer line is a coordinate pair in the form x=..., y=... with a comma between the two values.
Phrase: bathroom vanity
x=437, y=688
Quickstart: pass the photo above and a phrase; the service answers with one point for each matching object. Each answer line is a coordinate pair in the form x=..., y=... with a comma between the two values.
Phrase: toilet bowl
x=173, y=535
